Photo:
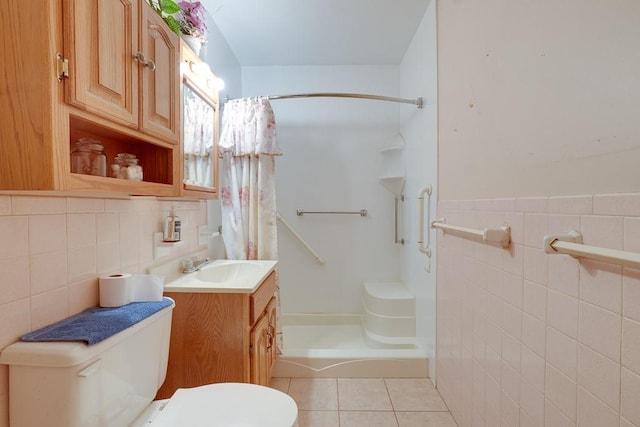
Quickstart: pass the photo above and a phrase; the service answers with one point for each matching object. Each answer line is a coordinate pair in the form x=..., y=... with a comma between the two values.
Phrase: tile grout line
x=395, y=414
x=338, y=401
x=394, y=410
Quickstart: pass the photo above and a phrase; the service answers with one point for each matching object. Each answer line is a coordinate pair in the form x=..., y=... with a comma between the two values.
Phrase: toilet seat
x=225, y=405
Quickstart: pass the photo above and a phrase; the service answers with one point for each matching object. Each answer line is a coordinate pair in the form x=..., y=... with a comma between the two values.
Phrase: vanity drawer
x=261, y=297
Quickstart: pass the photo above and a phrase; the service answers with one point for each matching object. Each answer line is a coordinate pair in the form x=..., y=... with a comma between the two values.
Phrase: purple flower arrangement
x=192, y=19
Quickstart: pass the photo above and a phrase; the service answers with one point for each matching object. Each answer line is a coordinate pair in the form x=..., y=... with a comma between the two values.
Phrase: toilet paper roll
x=115, y=290
x=120, y=289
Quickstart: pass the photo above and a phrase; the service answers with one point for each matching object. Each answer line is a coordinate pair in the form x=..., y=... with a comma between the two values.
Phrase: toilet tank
x=71, y=384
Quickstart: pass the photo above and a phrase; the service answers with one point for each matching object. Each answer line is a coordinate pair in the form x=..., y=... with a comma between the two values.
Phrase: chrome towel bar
x=362, y=212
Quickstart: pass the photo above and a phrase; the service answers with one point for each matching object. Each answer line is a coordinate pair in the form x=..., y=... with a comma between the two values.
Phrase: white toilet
x=112, y=384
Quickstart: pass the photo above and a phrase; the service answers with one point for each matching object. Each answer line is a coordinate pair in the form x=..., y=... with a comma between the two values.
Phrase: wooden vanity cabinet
x=221, y=337
x=74, y=75
x=263, y=336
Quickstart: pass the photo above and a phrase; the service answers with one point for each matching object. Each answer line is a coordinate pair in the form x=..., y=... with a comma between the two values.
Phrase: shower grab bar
x=400, y=241
x=500, y=235
x=571, y=244
x=425, y=249
x=288, y=226
x=362, y=212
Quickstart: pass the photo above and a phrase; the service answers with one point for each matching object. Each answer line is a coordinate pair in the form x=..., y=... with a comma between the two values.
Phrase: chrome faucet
x=189, y=265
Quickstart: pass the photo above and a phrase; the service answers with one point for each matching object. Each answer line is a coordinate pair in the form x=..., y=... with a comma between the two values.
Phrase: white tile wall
x=557, y=343
x=54, y=248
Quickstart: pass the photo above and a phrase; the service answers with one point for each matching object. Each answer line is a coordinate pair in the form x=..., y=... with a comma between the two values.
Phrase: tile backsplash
x=530, y=339
x=54, y=249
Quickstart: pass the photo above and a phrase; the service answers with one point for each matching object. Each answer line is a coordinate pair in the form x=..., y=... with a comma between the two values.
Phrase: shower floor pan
x=337, y=346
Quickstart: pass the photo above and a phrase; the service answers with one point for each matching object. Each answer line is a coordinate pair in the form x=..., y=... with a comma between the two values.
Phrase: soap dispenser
x=172, y=227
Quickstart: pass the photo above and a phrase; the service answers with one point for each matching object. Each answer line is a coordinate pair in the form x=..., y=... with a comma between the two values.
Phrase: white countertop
x=223, y=276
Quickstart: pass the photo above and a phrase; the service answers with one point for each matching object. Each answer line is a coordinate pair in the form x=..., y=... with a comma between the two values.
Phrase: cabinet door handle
x=139, y=57
x=270, y=339
x=150, y=65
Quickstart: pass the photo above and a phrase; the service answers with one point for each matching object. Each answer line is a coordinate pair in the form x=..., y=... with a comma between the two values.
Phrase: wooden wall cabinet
x=123, y=65
x=221, y=337
x=74, y=75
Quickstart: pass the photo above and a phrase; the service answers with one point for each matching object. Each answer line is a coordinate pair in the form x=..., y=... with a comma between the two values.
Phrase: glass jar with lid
x=88, y=157
x=125, y=166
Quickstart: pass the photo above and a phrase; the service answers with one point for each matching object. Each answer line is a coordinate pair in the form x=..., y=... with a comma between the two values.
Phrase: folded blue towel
x=97, y=324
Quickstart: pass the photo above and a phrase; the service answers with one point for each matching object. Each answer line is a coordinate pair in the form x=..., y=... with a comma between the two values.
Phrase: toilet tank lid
x=60, y=354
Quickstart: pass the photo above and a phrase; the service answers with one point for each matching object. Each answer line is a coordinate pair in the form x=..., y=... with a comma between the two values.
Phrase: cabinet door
x=101, y=38
x=261, y=344
x=272, y=314
x=160, y=77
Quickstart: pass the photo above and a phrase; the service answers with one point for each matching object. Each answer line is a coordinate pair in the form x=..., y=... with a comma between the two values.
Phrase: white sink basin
x=223, y=276
x=228, y=271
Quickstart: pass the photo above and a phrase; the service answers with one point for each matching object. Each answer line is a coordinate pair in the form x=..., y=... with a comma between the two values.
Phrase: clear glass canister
x=125, y=166
x=88, y=158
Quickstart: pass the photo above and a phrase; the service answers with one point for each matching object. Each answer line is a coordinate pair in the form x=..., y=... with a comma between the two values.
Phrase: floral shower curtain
x=247, y=174
x=248, y=195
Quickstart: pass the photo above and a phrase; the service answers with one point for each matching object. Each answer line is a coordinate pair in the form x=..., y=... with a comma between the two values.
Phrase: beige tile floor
x=366, y=402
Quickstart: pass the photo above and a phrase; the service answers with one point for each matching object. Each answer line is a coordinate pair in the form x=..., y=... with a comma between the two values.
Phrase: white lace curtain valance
x=199, y=120
x=248, y=128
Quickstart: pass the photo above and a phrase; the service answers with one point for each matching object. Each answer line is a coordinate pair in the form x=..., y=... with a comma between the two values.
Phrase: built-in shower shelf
x=392, y=169
x=395, y=184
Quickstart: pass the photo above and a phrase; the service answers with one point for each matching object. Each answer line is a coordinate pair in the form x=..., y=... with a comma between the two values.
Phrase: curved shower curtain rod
x=418, y=101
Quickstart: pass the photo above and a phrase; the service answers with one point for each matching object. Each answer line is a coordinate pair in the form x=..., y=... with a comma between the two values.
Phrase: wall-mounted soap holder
x=161, y=248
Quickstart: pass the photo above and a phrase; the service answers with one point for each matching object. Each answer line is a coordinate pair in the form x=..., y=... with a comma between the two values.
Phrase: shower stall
x=355, y=300
x=346, y=309
x=357, y=296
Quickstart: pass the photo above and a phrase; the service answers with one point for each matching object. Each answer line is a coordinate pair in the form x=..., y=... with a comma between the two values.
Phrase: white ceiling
x=317, y=32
